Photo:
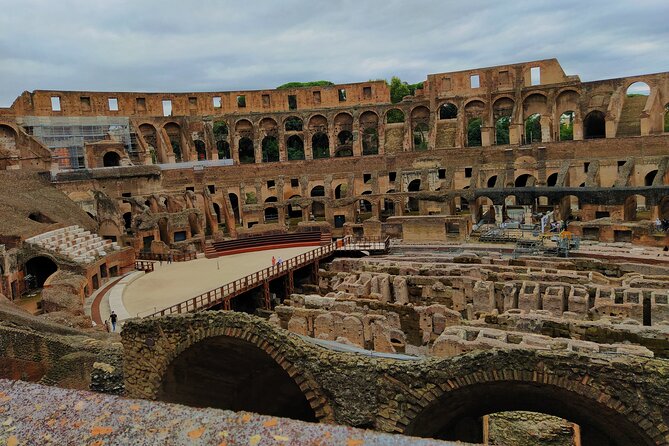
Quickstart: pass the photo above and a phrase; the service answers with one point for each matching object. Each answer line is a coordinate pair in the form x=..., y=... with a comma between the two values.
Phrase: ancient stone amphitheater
x=485, y=261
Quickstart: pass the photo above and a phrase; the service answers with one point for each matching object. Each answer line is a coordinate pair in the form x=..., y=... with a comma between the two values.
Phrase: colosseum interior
x=485, y=260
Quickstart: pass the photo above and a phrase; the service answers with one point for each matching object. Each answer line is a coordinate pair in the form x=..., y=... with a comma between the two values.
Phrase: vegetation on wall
x=304, y=84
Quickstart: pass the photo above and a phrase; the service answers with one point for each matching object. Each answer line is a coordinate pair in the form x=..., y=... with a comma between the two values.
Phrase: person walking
x=273, y=260
x=112, y=318
x=169, y=258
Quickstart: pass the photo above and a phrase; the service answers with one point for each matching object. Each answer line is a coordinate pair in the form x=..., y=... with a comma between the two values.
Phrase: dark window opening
x=342, y=95
x=442, y=174
x=85, y=103
x=270, y=184
x=241, y=101
x=212, y=188
x=190, y=188
x=468, y=172
x=367, y=177
x=392, y=176
x=586, y=166
x=294, y=182
x=292, y=102
x=179, y=236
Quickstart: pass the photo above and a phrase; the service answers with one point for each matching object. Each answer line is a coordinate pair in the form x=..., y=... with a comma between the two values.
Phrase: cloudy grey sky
x=210, y=45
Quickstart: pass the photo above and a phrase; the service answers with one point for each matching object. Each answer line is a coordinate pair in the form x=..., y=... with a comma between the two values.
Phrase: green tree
x=304, y=84
x=400, y=88
x=567, y=126
x=533, y=129
x=474, y=132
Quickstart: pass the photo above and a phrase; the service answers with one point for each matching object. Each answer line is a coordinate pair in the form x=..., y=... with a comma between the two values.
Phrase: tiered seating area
x=76, y=243
x=263, y=242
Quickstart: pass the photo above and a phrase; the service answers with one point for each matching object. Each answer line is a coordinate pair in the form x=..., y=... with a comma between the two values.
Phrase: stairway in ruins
x=630, y=121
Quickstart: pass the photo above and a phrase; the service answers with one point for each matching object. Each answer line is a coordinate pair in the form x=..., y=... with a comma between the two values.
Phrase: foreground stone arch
x=150, y=356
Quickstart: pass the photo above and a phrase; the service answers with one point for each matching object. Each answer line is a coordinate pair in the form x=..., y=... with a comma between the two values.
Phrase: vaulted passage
x=456, y=415
x=39, y=269
x=229, y=373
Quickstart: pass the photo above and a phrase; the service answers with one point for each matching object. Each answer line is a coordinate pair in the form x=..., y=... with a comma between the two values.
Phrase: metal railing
x=225, y=293
x=175, y=257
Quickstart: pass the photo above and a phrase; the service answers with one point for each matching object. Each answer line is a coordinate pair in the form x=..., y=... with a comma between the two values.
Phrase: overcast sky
x=208, y=45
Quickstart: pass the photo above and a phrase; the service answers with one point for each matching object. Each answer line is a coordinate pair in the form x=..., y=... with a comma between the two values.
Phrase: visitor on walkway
x=169, y=258
x=112, y=318
x=273, y=260
x=279, y=261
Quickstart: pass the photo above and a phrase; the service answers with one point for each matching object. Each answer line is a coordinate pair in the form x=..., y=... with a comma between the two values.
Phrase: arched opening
x=492, y=181
x=567, y=126
x=229, y=373
x=293, y=124
x=294, y=210
x=318, y=210
x=525, y=180
x=38, y=270
x=344, y=144
x=369, y=123
x=246, y=152
x=451, y=416
x=217, y=211
x=413, y=204
x=394, y=116
x=270, y=149
x=635, y=208
x=221, y=135
x=663, y=208
x=502, y=110
x=163, y=229
x=200, y=150
x=317, y=191
x=174, y=135
x=340, y=191
x=223, y=149
x=502, y=130
x=569, y=208
x=420, y=124
x=111, y=159
x=271, y=215
x=533, y=129
x=552, y=179
x=474, y=132
x=148, y=133
x=41, y=218
x=388, y=209
x=234, y=204
x=420, y=134
x=629, y=123
x=484, y=210
x=512, y=210
x=320, y=145
x=194, y=224
x=365, y=206
x=295, y=148
x=460, y=205
x=448, y=111
x=594, y=125
x=649, y=178
x=127, y=220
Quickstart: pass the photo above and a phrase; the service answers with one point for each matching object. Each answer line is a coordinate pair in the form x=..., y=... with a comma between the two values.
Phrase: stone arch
x=173, y=131
x=566, y=126
x=567, y=100
x=420, y=127
x=246, y=151
x=394, y=116
x=271, y=214
x=250, y=337
x=127, y=220
x=40, y=267
x=502, y=111
x=525, y=180
x=150, y=137
x=649, y=178
x=492, y=181
x=448, y=110
x=318, y=123
x=340, y=191
x=551, y=180
x=344, y=144
x=244, y=129
x=369, y=127
x=7, y=145
x=317, y=191
x=295, y=148
x=111, y=159
x=293, y=124
x=535, y=103
x=270, y=149
x=532, y=129
x=634, y=208
x=594, y=125
x=320, y=145
x=634, y=102
x=473, y=392
x=200, y=149
x=269, y=126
